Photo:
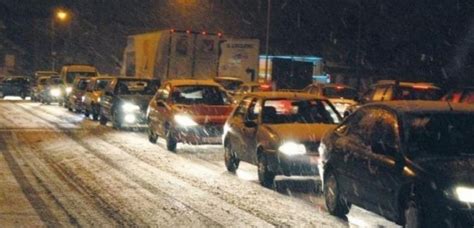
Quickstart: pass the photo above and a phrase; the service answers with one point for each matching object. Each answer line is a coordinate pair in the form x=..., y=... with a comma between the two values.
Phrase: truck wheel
x=335, y=202
x=231, y=162
x=171, y=142
x=103, y=120
x=152, y=137
x=265, y=177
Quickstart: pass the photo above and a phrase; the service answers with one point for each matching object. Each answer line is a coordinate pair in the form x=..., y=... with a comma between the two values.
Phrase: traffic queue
x=400, y=149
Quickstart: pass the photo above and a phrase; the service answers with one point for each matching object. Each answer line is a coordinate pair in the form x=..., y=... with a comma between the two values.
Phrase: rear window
x=340, y=92
x=137, y=87
x=207, y=95
x=82, y=84
x=283, y=111
x=70, y=76
x=417, y=93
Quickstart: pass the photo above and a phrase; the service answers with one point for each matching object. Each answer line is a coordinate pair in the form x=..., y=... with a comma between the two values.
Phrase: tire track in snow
x=30, y=193
x=135, y=178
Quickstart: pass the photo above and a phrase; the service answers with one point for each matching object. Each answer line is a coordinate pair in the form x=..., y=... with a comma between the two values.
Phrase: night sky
x=425, y=39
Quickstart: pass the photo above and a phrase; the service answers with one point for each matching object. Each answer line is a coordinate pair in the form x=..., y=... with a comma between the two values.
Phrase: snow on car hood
x=342, y=101
x=300, y=132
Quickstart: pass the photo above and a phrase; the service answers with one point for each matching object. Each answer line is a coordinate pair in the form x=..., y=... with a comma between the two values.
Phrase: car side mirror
x=250, y=124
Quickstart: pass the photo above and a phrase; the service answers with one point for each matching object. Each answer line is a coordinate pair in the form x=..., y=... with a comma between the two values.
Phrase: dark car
x=75, y=99
x=52, y=91
x=462, y=95
x=15, y=86
x=279, y=132
x=411, y=162
x=125, y=101
x=188, y=111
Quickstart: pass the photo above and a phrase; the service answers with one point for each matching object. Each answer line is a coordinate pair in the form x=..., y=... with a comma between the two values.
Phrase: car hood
x=140, y=100
x=456, y=170
x=203, y=114
x=300, y=132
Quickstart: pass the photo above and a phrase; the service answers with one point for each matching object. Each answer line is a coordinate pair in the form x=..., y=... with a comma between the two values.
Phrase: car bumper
x=207, y=134
x=133, y=120
x=298, y=165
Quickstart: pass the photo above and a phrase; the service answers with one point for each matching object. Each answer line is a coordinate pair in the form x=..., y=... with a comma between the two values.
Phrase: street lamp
x=59, y=15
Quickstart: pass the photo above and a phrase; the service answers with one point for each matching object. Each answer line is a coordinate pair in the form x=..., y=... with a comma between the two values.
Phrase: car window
x=282, y=111
x=417, y=93
x=136, y=87
x=101, y=84
x=340, y=92
x=383, y=129
x=253, y=110
x=82, y=84
x=242, y=108
x=70, y=76
x=378, y=93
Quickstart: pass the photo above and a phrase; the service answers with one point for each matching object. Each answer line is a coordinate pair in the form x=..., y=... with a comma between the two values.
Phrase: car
x=230, y=84
x=69, y=72
x=392, y=90
x=409, y=161
x=250, y=87
x=94, y=92
x=52, y=91
x=125, y=101
x=38, y=86
x=188, y=111
x=341, y=96
x=18, y=86
x=74, y=100
x=279, y=132
x=462, y=95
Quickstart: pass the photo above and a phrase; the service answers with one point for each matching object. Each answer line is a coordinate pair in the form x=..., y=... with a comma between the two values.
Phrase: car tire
x=60, y=104
x=231, y=162
x=103, y=120
x=152, y=137
x=335, y=202
x=86, y=113
x=171, y=142
x=23, y=95
x=265, y=176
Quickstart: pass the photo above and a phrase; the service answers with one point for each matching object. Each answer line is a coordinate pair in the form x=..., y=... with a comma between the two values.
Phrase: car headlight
x=292, y=148
x=55, y=92
x=68, y=90
x=83, y=98
x=465, y=194
x=184, y=120
x=129, y=107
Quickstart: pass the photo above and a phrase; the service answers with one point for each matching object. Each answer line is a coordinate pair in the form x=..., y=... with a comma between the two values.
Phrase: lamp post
x=59, y=15
x=267, y=37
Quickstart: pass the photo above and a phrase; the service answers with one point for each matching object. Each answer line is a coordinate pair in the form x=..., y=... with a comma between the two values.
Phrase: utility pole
x=267, y=36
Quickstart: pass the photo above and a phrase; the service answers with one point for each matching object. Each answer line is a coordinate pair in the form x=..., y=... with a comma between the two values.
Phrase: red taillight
x=265, y=86
x=339, y=87
x=219, y=34
x=204, y=33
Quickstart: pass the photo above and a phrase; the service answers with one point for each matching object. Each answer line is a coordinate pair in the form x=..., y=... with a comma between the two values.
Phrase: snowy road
x=59, y=169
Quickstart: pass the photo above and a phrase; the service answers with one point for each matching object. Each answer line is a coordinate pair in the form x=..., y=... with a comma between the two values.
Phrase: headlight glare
x=68, y=90
x=465, y=194
x=292, y=148
x=184, y=120
x=55, y=92
x=129, y=107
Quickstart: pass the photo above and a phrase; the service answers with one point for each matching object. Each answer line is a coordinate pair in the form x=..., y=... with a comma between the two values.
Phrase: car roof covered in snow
x=189, y=82
x=285, y=95
x=423, y=106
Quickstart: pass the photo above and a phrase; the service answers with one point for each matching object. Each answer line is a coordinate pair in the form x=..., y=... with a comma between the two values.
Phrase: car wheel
x=86, y=113
x=231, y=162
x=335, y=202
x=23, y=95
x=116, y=124
x=171, y=142
x=265, y=177
x=152, y=137
x=103, y=120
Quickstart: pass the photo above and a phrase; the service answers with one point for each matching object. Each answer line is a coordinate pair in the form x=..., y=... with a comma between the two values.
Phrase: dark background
x=405, y=39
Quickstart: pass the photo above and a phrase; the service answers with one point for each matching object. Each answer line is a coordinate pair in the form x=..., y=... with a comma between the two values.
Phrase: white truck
x=172, y=54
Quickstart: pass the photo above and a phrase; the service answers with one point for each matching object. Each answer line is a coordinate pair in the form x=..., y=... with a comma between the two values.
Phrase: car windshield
x=137, y=87
x=415, y=93
x=55, y=81
x=101, y=84
x=444, y=134
x=282, y=111
x=340, y=92
x=197, y=94
x=71, y=76
x=231, y=85
x=82, y=84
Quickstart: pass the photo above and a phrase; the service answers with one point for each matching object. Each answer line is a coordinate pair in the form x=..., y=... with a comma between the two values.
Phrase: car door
x=384, y=170
x=237, y=126
x=347, y=154
x=107, y=100
x=250, y=133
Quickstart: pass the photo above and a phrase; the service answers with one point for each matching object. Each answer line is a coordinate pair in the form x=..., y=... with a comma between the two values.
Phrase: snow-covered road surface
x=59, y=169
